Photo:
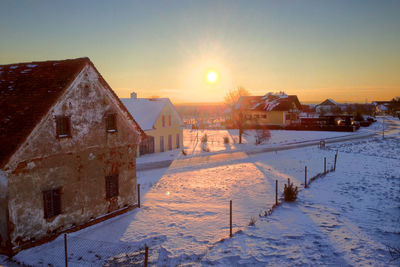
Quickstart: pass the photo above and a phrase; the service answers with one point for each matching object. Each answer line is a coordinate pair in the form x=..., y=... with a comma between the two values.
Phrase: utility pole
x=383, y=127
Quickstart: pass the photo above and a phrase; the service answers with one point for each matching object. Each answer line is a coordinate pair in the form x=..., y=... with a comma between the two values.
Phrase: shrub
x=252, y=221
x=290, y=192
x=226, y=140
x=262, y=135
x=204, y=147
x=204, y=138
x=184, y=152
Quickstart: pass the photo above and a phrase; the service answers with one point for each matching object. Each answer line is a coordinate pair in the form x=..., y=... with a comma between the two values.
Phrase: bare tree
x=231, y=101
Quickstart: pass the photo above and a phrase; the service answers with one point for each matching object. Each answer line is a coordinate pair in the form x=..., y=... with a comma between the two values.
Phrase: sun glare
x=212, y=76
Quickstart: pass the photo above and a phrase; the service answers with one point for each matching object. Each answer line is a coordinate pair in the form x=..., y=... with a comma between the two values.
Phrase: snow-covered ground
x=215, y=141
x=344, y=219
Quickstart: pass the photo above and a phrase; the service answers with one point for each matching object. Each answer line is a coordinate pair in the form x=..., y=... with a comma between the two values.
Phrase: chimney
x=133, y=95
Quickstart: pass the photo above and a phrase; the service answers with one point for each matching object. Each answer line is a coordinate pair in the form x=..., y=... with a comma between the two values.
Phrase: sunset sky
x=345, y=50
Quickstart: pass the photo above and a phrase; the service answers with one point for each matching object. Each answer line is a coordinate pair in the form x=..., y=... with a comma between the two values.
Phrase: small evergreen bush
x=290, y=192
x=204, y=138
x=252, y=221
x=226, y=140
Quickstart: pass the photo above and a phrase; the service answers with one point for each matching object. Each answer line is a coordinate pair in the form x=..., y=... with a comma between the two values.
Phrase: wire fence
x=77, y=251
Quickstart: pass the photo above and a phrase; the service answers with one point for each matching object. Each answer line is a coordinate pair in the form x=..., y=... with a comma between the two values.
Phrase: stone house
x=67, y=150
x=159, y=120
x=272, y=109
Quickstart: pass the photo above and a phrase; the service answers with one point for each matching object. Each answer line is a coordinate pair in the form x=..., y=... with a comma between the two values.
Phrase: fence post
x=138, y=189
x=276, y=192
x=324, y=164
x=230, y=218
x=146, y=256
x=65, y=250
x=334, y=166
x=305, y=177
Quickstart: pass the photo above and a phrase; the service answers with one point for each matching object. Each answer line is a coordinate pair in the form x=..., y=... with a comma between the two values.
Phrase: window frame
x=163, y=120
x=52, y=206
x=111, y=127
x=112, y=186
x=178, y=143
x=63, y=122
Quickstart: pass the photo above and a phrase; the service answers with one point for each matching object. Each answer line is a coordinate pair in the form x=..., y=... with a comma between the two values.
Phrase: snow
x=31, y=65
x=145, y=111
x=272, y=100
x=332, y=101
x=14, y=67
x=215, y=144
x=346, y=218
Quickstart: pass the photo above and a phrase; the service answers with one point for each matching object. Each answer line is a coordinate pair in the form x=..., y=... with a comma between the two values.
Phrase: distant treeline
x=203, y=110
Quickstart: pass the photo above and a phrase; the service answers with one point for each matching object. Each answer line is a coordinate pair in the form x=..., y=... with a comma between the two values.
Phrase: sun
x=212, y=76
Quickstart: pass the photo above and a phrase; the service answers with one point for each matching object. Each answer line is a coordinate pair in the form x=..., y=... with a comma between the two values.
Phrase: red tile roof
x=27, y=92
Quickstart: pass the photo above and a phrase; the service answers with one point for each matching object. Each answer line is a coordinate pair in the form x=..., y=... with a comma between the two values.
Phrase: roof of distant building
x=270, y=102
x=146, y=111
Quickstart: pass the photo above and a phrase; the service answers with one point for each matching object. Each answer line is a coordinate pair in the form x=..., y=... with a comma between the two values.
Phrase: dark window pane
x=63, y=126
x=112, y=186
x=111, y=124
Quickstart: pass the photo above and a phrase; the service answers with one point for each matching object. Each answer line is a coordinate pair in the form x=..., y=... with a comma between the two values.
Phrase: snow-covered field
x=346, y=218
x=215, y=141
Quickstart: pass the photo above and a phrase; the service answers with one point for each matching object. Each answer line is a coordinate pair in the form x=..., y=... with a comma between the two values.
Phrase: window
x=169, y=120
x=177, y=141
x=52, y=202
x=287, y=116
x=163, y=121
x=111, y=123
x=264, y=116
x=112, y=186
x=161, y=143
x=256, y=116
x=169, y=142
x=63, y=126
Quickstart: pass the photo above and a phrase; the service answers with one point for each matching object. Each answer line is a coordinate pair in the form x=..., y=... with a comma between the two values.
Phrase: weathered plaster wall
x=78, y=163
x=82, y=179
x=3, y=208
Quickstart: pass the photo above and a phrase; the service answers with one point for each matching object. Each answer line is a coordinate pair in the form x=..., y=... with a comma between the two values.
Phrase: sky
x=345, y=50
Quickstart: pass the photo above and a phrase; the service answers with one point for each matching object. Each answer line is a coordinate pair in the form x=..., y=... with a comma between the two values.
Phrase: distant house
x=159, y=120
x=67, y=150
x=269, y=110
x=381, y=107
x=328, y=106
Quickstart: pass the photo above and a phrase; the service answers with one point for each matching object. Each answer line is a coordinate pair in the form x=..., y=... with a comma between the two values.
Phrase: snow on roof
x=271, y=100
x=328, y=102
x=146, y=111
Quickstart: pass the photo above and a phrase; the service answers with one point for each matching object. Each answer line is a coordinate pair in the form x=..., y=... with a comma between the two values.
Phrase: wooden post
x=324, y=164
x=230, y=218
x=334, y=166
x=65, y=250
x=276, y=192
x=138, y=190
x=288, y=182
x=305, y=177
x=146, y=256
